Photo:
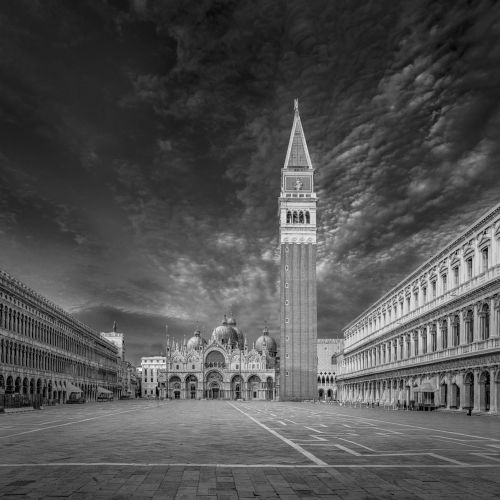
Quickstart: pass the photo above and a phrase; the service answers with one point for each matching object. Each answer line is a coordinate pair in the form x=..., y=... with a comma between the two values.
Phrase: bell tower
x=298, y=315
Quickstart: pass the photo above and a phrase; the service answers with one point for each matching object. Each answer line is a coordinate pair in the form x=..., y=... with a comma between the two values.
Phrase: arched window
x=308, y=218
x=319, y=379
x=323, y=379
x=295, y=218
x=301, y=217
x=484, y=259
x=288, y=217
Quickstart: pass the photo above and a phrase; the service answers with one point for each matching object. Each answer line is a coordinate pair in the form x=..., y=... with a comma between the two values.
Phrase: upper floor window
x=456, y=276
x=433, y=287
x=484, y=259
x=424, y=294
x=444, y=280
x=468, y=268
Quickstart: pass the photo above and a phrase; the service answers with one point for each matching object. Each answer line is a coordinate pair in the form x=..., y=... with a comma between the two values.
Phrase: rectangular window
x=456, y=276
x=424, y=294
x=433, y=285
x=424, y=344
x=444, y=280
x=444, y=336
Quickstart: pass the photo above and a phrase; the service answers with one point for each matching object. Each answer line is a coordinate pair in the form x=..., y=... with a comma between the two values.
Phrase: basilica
x=225, y=367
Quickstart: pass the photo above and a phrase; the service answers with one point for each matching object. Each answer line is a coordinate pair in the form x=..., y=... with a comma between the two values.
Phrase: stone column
x=495, y=317
x=494, y=391
x=463, y=327
x=476, y=321
x=477, y=391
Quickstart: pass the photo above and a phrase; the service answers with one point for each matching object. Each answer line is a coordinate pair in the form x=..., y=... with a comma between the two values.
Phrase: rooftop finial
x=114, y=326
x=296, y=105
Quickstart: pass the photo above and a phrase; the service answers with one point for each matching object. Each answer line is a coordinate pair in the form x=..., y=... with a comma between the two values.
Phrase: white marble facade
x=434, y=339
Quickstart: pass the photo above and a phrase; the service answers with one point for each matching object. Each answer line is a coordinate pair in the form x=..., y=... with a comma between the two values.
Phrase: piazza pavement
x=242, y=450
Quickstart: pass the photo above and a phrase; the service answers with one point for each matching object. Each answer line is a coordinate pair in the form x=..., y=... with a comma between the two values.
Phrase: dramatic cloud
x=141, y=145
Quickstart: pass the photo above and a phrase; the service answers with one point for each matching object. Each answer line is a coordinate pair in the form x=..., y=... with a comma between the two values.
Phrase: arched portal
x=236, y=387
x=444, y=394
x=321, y=394
x=175, y=387
x=191, y=386
x=254, y=387
x=214, y=385
x=9, y=388
x=484, y=391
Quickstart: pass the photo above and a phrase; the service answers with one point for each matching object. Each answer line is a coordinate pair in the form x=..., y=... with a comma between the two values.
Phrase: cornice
x=482, y=360
x=470, y=232
x=492, y=287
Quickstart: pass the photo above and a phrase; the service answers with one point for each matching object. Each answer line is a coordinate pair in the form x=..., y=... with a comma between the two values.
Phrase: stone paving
x=233, y=450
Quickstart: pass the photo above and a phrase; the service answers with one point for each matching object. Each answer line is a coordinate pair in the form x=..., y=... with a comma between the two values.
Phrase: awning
x=425, y=387
x=72, y=388
x=101, y=390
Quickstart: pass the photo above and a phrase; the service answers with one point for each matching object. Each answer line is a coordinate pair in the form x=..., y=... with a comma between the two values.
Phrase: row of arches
x=49, y=390
x=213, y=386
x=477, y=389
x=298, y=217
x=326, y=379
x=327, y=394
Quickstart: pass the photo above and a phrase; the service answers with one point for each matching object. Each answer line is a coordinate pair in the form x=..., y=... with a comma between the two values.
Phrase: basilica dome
x=266, y=340
x=225, y=334
x=239, y=334
x=196, y=342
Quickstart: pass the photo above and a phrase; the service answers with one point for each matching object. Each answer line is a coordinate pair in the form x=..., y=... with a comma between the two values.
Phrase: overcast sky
x=141, y=145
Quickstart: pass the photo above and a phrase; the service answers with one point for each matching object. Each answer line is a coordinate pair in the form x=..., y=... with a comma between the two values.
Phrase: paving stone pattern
x=233, y=450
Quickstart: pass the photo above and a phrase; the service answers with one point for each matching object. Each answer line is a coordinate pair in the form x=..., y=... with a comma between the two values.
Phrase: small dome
x=225, y=334
x=196, y=342
x=266, y=340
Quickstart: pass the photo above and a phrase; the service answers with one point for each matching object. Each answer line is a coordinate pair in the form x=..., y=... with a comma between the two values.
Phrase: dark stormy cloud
x=141, y=144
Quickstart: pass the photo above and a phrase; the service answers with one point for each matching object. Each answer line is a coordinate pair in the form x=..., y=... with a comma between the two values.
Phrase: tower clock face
x=298, y=183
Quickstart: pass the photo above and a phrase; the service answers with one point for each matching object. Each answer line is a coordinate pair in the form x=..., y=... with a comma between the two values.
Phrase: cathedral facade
x=223, y=368
x=298, y=310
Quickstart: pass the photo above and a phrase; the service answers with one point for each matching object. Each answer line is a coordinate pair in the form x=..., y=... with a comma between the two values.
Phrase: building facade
x=329, y=351
x=434, y=339
x=45, y=352
x=127, y=380
x=224, y=368
x=298, y=310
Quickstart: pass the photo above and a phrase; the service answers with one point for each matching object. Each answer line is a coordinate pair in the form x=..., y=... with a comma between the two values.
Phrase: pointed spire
x=297, y=154
x=114, y=326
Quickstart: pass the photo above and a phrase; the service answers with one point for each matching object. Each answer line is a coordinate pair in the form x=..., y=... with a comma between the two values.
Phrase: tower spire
x=297, y=154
